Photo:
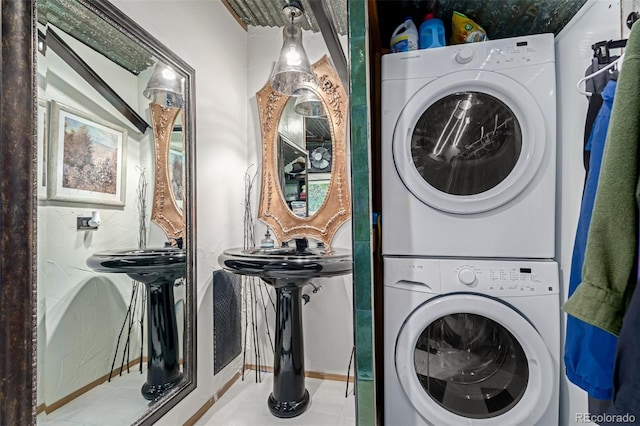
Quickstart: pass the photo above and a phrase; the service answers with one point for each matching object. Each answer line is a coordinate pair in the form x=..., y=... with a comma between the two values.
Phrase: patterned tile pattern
x=499, y=19
x=360, y=181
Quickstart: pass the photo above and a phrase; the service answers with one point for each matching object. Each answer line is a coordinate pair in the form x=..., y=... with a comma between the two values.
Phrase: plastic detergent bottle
x=431, y=32
x=405, y=37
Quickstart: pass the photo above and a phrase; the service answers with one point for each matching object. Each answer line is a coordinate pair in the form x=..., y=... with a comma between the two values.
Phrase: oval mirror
x=304, y=189
x=304, y=155
x=115, y=139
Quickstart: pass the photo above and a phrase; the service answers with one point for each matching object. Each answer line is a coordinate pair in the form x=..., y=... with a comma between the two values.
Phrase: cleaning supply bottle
x=405, y=37
x=431, y=32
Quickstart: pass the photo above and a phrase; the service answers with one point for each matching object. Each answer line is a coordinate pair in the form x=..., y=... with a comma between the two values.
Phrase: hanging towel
x=609, y=272
x=589, y=351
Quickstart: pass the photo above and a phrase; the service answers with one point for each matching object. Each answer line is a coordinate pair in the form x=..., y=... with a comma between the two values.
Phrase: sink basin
x=158, y=269
x=287, y=265
x=288, y=270
x=141, y=264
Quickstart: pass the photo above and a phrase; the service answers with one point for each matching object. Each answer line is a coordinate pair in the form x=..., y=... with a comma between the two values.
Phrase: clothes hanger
x=601, y=51
x=606, y=68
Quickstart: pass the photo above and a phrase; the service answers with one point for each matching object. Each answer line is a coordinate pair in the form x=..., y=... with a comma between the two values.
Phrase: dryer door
x=469, y=142
x=471, y=359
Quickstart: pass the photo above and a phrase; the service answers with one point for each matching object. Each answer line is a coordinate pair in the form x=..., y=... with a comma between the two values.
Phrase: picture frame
x=42, y=149
x=316, y=193
x=176, y=175
x=87, y=161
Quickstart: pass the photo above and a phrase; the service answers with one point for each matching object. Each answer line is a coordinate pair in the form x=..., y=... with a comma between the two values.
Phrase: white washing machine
x=471, y=342
x=468, y=150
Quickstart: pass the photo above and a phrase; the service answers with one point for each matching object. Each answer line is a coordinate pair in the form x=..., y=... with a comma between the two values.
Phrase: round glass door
x=469, y=142
x=468, y=358
x=471, y=365
x=466, y=143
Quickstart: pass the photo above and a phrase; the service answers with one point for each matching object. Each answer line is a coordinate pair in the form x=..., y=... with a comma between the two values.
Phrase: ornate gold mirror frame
x=336, y=208
x=165, y=212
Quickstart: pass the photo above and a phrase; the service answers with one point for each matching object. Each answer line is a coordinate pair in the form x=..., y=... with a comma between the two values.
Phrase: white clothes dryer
x=468, y=150
x=473, y=342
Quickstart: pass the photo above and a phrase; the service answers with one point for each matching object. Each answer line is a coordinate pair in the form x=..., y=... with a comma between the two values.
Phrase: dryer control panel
x=515, y=52
x=497, y=278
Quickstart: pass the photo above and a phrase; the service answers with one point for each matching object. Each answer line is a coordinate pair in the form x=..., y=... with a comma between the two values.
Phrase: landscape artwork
x=89, y=158
x=176, y=175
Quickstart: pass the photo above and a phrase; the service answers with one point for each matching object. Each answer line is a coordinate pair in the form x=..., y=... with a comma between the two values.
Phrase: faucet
x=174, y=242
x=301, y=244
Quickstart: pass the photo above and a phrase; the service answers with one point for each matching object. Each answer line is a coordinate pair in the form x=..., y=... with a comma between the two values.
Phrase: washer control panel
x=497, y=278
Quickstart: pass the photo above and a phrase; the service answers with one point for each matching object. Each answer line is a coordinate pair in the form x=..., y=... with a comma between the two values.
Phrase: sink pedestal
x=288, y=270
x=289, y=397
x=157, y=269
x=163, y=370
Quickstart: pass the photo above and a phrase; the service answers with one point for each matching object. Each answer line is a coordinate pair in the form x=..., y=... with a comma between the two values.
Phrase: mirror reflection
x=114, y=288
x=304, y=159
x=176, y=163
x=304, y=191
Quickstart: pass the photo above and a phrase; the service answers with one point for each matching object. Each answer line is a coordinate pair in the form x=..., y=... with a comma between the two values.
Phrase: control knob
x=464, y=55
x=466, y=276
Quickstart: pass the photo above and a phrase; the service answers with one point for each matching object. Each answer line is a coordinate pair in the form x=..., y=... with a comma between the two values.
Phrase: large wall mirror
x=305, y=189
x=114, y=212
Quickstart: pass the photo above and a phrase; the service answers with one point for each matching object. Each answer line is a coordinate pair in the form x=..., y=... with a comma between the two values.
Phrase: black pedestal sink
x=158, y=269
x=288, y=270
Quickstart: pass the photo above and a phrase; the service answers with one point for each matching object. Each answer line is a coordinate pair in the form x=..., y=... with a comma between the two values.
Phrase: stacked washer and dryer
x=471, y=297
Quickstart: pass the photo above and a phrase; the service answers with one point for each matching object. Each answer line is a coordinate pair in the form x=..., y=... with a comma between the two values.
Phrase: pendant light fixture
x=309, y=104
x=292, y=71
x=165, y=87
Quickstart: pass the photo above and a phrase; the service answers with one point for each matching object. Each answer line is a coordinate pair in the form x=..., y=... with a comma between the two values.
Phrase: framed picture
x=87, y=161
x=176, y=175
x=316, y=193
x=43, y=152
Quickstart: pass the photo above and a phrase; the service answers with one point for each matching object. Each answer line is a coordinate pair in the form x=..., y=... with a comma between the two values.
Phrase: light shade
x=309, y=104
x=165, y=87
x=292, y=71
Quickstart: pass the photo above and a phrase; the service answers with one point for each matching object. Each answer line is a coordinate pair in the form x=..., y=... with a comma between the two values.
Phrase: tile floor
x=113, y=403
x=245, y=404
x=119, y=402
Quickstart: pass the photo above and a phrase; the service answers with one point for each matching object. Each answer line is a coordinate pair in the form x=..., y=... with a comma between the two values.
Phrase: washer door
x=469, y=142
x=471, y=359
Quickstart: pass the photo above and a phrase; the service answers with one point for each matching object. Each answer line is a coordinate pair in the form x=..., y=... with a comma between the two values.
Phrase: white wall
x=80, y=312
x=204, y=34
x=597, y=20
